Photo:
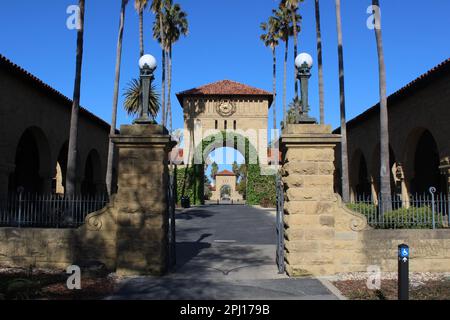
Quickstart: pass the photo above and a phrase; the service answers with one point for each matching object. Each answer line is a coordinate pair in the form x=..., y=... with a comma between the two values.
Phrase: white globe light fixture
x=148, y=61
x=304, y=63
x=147, y=64
x=304, y=59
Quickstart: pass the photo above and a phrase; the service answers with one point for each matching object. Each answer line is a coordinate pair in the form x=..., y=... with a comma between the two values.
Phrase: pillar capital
x=445, y=166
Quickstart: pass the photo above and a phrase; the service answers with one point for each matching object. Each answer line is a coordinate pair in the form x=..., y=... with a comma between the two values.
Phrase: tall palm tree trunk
x=169, y=88
x=110, y=165
x=274, y=105
x=344, y=155
x=284, y=79
x=73, y=137
x=141, y=32
x=320, y=64
x=385, y=175
x=294, y=22
x=163, y=80
x=163, y=88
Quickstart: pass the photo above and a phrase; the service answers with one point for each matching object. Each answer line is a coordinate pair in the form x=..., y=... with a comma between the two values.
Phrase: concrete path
x=224, y=252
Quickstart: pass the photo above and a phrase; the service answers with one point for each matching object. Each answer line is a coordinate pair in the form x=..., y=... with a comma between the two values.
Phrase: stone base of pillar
x=141, y=204
x=314, y=217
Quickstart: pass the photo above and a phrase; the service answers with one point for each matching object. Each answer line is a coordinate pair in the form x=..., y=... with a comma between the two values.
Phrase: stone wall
x=322, y=236
x=59, y=248
x=129, y=235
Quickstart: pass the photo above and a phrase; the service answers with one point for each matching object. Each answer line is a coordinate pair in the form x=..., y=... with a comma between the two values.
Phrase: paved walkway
x=224, y=252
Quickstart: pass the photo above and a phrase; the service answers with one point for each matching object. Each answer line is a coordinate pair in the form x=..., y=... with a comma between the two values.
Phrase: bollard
x=403, y=272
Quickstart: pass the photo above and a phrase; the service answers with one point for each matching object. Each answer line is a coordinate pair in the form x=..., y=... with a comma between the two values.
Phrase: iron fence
x=48, y=211
x=419, y=211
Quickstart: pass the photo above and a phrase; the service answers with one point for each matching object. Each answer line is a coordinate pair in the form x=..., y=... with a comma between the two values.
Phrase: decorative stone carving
x=226, y=108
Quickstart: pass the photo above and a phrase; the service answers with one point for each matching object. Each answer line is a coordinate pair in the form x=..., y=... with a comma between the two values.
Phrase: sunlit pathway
x=224, y=252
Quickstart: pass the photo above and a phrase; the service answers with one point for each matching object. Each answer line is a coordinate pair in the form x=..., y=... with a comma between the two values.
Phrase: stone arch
x=92, y=179
x=359, y=180
x=32, y=163
x=421, y=161
x=225, y=190
x=242, y=144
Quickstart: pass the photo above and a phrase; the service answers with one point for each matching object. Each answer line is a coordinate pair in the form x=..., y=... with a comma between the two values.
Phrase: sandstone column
x=308, y=169
x=141, y=204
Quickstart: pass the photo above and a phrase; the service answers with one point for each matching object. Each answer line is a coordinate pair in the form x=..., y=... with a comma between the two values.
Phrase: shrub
x=410, y=218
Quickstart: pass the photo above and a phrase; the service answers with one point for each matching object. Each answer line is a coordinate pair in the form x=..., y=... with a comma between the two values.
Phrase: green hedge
x=411, y=218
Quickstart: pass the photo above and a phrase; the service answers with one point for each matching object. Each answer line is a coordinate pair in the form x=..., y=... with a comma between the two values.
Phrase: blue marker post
x=403, y=272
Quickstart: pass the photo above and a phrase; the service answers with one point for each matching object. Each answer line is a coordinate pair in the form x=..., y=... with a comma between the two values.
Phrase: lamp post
x=147, y=65
x=304, y=63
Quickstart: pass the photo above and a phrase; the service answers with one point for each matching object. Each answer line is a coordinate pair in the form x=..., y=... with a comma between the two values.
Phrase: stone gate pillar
x=308, y=175
x=141, y=204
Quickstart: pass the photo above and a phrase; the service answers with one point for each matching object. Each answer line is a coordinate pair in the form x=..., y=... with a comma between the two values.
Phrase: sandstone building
x=34, y=135
x=419, y=132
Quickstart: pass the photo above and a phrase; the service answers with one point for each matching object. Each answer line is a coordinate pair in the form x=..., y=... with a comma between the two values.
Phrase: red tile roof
x=225, y=173
x=441, y=69
x=40, y=85
x=225, y=88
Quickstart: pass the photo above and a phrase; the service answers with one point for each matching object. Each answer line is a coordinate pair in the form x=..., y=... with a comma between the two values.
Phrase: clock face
x=226, y=108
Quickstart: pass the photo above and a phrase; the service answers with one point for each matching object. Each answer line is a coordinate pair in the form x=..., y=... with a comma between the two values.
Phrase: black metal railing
x=420, y=211
x=48, y=211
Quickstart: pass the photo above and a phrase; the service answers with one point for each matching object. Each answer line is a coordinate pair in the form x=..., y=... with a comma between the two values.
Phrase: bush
x=363, y=208
x=411, y=218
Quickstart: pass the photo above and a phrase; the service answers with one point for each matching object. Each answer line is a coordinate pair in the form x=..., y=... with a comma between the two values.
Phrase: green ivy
x=190, y=182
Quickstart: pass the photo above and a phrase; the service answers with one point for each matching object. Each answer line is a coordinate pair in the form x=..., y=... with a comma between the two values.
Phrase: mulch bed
x=45, y=285
x=430, y=290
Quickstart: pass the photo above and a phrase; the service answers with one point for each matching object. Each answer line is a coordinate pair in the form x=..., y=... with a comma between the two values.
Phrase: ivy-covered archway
x=190, y=180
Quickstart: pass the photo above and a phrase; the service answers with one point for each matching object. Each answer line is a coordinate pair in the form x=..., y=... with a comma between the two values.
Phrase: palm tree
x=344, y=155
x=385, y=175
x=157, y=8
x=115, y=98
x=214, y=170
x=284, y=28
x=293, y=5
x=132, y=96
x=140, y=5
x=73, y=137
x=175, y=24
x=270, y=39
x=320, y=63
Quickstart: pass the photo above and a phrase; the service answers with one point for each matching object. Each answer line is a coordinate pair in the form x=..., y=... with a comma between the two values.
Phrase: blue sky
x=224, y=44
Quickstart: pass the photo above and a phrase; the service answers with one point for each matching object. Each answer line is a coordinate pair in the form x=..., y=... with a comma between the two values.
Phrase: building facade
x=225, y=106
x=419, y=134
x=225, y=187
x=34, y=135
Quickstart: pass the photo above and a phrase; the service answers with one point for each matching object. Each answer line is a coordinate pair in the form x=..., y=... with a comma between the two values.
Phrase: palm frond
x=132, y=99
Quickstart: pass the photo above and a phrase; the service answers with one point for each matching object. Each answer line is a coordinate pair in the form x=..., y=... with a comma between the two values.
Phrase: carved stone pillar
x=445, y=170
x=142, y=216
x=400, y=179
